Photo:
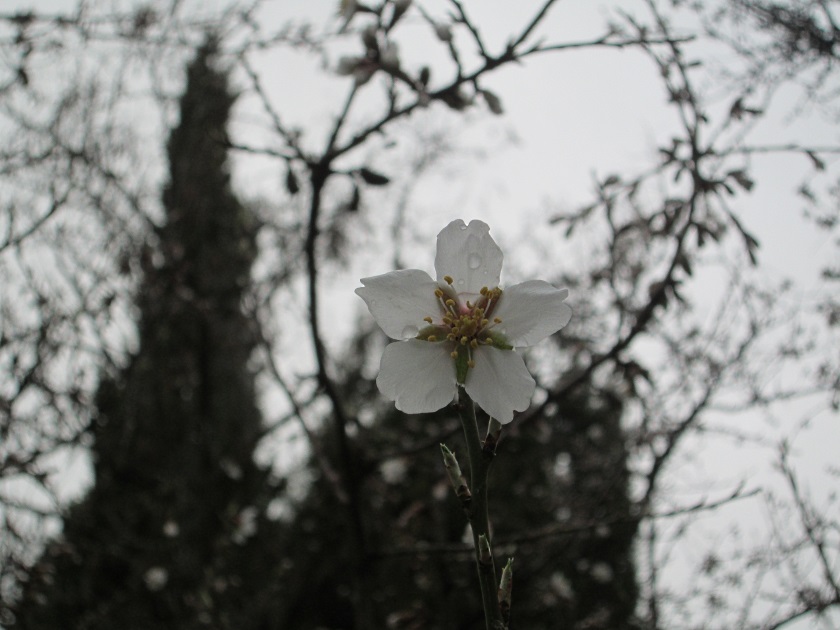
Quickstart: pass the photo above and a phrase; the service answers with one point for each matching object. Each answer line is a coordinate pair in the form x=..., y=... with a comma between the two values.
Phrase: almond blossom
x=462, y=329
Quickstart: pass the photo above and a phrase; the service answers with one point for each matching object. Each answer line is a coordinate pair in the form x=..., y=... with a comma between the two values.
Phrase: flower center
x=466, y=323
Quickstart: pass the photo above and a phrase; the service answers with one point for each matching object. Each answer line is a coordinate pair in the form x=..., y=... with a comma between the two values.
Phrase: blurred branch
x=565, y=529
x=813, y=527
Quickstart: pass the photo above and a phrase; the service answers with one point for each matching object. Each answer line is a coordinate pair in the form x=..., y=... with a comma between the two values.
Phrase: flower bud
x=506, y=589
x=494, y=103
x=456, y=478
x=443, y=32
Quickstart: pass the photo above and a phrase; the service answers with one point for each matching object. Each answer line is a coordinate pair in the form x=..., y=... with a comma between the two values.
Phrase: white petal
x=418, y=375
x=399, y=301
x=500, y=383
x=470, y=255
x=531, y=311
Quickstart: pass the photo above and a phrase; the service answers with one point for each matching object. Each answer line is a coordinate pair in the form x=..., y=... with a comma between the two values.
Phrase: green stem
x=477, y=513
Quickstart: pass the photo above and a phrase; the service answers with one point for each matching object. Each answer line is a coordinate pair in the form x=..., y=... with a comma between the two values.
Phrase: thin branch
x=559, y=531
x=288, y=137
x=529, y=29
x=471, y=27
x=807, y=520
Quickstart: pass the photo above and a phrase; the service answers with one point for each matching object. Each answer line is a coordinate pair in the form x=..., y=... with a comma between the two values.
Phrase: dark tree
x=173, y=532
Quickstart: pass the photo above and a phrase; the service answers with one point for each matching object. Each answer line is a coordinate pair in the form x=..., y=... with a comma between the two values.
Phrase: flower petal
x=399, y=301
x=470, y=255
x=500, y=383
x=531, y=311
x=418, y=376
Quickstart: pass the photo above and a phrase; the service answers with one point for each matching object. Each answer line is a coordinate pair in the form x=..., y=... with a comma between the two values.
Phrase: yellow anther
x=439, y=293
x=454, y=354
x=498, y=320
x=451, y=336
x=473, y=343
x=464, y=341
x=483, y=290
x=431, y=338
x=450, y=302
x=448, y=279
x=471, y=363
x=427, y=319
x=484, y=322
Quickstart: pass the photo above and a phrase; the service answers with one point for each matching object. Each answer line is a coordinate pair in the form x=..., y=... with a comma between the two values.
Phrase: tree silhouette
x=168, y=535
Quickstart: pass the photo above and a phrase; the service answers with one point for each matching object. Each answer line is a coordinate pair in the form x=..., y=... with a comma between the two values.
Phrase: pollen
x=464, y=322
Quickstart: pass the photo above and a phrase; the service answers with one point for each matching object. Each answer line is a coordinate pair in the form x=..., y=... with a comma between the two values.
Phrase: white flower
x=461, y=329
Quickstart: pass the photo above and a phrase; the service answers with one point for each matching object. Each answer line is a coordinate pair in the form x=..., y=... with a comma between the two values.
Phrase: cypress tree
x=173, y=532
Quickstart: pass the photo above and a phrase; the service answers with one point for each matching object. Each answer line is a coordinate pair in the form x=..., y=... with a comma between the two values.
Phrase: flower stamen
x=465, y=323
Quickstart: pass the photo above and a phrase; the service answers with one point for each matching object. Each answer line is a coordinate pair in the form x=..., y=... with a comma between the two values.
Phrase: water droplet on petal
x=474, y=261
x=410, y=331
x=460, y=282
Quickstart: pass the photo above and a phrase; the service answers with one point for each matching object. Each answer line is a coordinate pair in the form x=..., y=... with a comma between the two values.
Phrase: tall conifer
x=172, y=533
